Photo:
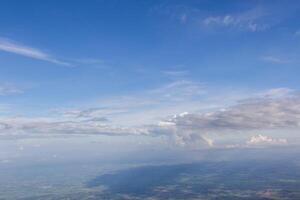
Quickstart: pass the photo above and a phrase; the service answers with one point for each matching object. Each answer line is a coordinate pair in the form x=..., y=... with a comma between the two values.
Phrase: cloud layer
x=276, y=109
x=263, y=113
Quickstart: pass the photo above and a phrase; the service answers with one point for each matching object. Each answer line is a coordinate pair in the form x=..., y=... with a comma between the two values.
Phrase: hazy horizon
x=155, y=99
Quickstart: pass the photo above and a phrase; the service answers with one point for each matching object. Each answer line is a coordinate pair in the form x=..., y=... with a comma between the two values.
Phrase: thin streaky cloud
x=19, y=49
x=176, y=73
x=275, y=60
x=9, y=89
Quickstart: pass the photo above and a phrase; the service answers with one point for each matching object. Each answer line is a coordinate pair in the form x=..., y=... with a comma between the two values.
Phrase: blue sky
x=137, y=67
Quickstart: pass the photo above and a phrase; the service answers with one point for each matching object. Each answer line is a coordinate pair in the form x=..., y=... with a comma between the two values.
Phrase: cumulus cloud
x=248, y=115
x=265, y=140
x=181, y=137
x=253, y=114
x=16, y=48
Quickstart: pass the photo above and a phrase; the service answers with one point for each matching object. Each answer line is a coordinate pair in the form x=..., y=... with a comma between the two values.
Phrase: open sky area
x=156, y=81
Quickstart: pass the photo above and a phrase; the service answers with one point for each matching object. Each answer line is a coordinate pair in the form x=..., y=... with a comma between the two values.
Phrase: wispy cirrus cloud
x=251, y=20
x=9, y=89
x=145, y=106
x=254, y=19
x=275, y=60
x=11, y=46
x=277, y=93
x=176, y=73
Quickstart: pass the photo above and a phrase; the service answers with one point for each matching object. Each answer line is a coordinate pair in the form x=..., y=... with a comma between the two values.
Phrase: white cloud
x=89, y=61
x=276, y=109
x=265, y=113
x=249, y=21
x=265, y=140
x=22, y=126
x=9, y=89
x=136, y=114
x=176, y=73
x=180, y=89
x=277, y=92
x=275, y=60
x=16, y=48
x=146, y=107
